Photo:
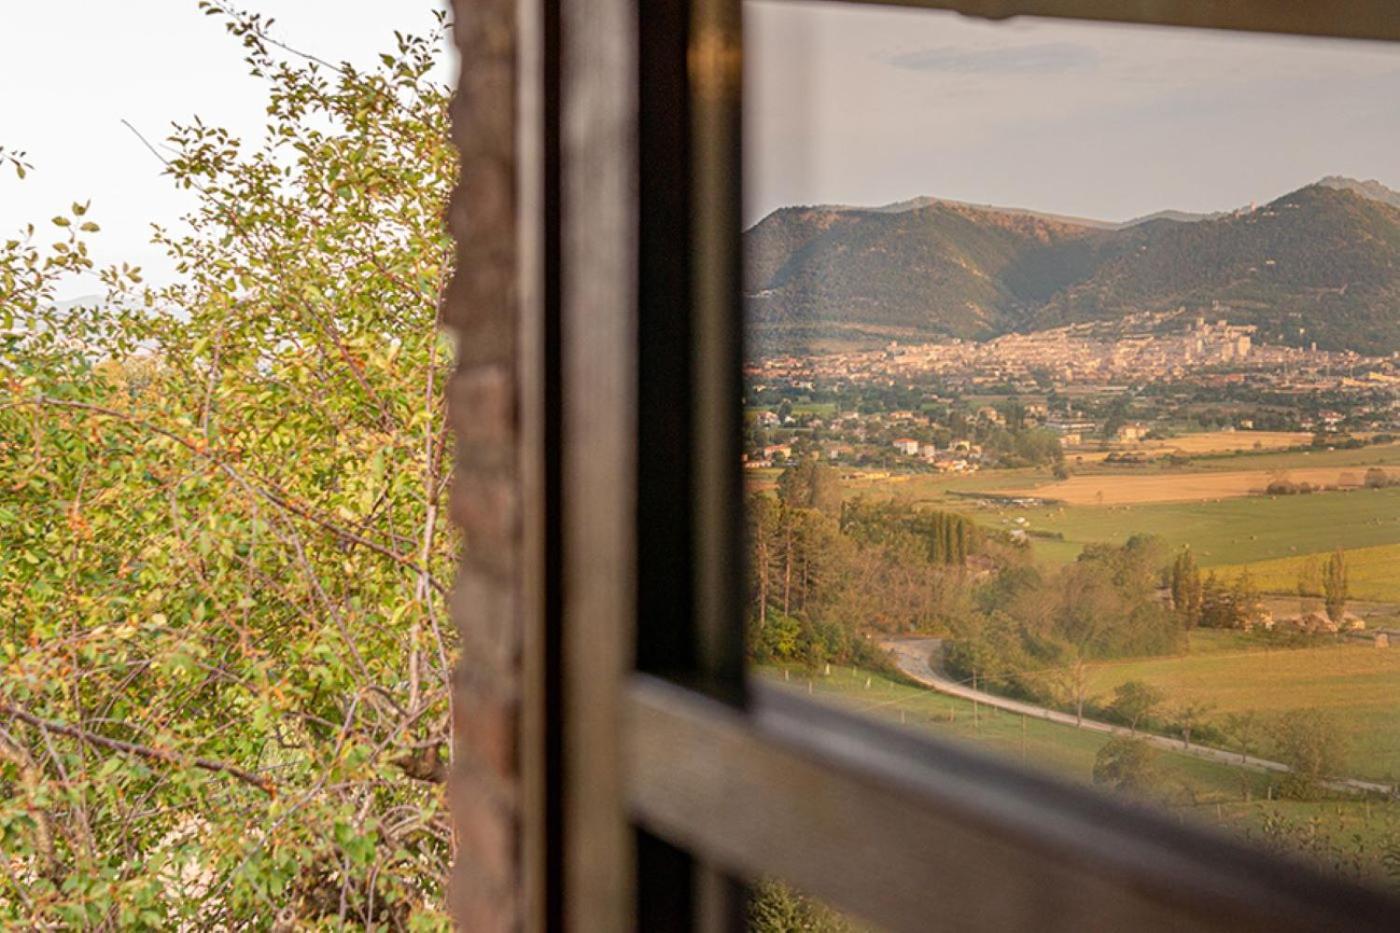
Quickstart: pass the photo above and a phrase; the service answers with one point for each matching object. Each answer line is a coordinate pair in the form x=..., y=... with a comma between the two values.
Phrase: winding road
x=914, y=657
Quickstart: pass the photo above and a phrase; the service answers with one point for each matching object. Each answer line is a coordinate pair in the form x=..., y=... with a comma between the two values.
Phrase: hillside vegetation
x=1320, y=264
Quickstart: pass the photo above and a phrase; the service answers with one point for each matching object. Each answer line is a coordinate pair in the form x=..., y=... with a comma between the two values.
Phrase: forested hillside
x=1321, y=264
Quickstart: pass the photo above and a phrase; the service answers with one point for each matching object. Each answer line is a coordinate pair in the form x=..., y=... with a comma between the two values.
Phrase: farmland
x=1194, y=486
x=1352, y=682
x=1230, y=531
x=1214, y=442
x=1222, y=531
x=1374, y=572
x=1207, y=793
x=1066, y=751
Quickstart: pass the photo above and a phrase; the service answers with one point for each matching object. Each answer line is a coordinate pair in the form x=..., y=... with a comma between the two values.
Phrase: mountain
x=1185, y=217
x=941, y=268
x=1372, y=190
x=1320, y=264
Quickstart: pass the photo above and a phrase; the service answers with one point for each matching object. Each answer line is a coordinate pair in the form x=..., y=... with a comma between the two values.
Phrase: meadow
x=1065, y=751
x=1230, y=531
x=1184, y=486
x=1224, y=532
x=1373, y=572
x=1351, y=681
x=1211, y=795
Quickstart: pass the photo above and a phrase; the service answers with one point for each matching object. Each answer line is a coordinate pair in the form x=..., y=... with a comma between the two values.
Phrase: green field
x=1206, y=793
x=1067, y=751
x=1222, y=532
x=1360, y=457
x=1227, y=531
x=1283, y=460
x=1357, y=684
x=1373, y=572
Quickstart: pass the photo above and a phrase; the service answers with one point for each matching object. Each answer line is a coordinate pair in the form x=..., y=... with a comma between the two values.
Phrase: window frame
x=661, y=776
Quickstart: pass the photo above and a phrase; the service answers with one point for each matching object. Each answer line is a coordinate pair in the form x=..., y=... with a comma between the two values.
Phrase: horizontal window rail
x=917, y=834
x=1345, y=19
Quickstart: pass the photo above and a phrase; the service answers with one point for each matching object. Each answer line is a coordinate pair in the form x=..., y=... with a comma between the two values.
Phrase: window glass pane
x=1071, y=403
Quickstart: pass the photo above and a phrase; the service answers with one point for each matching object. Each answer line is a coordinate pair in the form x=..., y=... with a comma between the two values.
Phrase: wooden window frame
x=656, y=775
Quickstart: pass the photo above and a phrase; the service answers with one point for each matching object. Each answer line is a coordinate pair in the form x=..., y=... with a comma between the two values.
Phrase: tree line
x=826, y=573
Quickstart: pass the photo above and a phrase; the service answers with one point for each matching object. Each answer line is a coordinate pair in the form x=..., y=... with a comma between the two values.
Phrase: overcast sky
x=865, y=105
x=850, y=104
x=72, y=70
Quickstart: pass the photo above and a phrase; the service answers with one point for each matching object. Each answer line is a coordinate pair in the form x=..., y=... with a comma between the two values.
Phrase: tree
x=1309, y=585
x=1217, y=604
x=225, y=549
x=1188, y=717
x=763, y=518
x=1072, y=683
x=1244, y=727
x=1134, y=700
x=1245, y=602
x=1126, y=765
x=810, y=485
x=1187, y=591
x=774, y=907
x=1312, y=747
x=1335, y=589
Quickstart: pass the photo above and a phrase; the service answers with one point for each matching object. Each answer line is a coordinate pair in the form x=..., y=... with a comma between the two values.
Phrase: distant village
x=957, y=406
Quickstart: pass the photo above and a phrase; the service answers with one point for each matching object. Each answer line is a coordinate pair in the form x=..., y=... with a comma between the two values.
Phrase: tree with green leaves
x=227, y=657
x=1313, y=747
x=1189, y=716
x=773, y=907
x=809, y=484
x=1187, y=590
x=1246, y=601
x=1126, y=765
x=1335, y=587
x=1134, y=700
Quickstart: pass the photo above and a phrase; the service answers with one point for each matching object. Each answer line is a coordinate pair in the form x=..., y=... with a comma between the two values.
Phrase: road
x=914, y=656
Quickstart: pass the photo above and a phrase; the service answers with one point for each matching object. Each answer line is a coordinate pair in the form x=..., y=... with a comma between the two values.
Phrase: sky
x=72, y=71
x=856, y=104
x=844, y=104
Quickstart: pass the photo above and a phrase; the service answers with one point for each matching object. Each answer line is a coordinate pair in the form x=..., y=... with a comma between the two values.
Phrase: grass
x=1205, y=793
x=1064, y=750
x=1183, y=486
x=1231, y=531
x=1373, y=572
x=1353, y=682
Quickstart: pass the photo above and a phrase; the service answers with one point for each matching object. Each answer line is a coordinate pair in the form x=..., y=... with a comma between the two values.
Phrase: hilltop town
x=1027, y=398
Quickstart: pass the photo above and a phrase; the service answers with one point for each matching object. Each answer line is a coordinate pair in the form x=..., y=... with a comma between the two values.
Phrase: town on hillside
x=1109, y=388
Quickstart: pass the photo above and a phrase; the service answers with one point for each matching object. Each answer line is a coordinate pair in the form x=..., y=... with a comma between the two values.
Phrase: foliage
x=1233, y=605
x=776, y=908
x=820, y=585
x=226, y=690
x=1186, y=588
x=1134, y=700
x=810, y=485
x=915, y=273
x=1034, y=633
x=1335, y=589
x=1313, y=748
x=1126, y=765
x=1189, y=717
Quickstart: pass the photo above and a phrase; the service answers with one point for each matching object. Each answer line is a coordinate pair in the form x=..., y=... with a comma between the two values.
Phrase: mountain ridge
x=1321, y=263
